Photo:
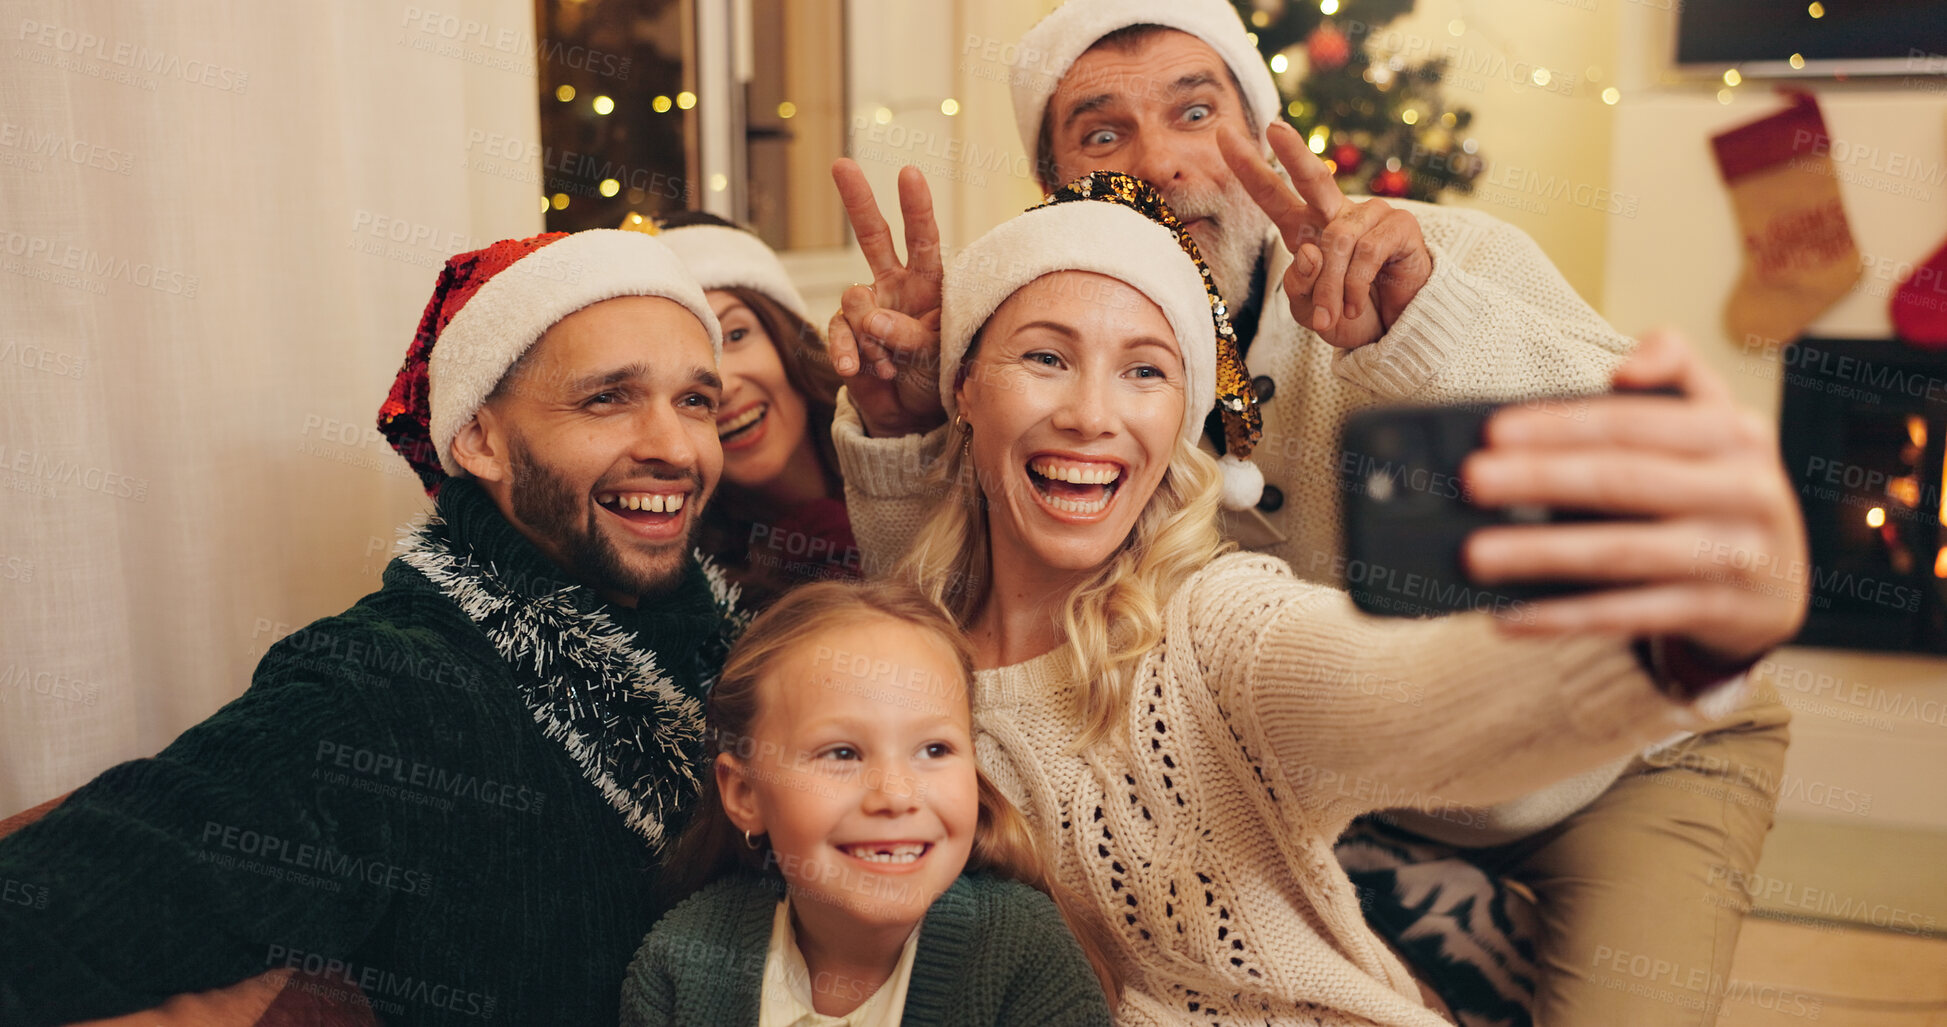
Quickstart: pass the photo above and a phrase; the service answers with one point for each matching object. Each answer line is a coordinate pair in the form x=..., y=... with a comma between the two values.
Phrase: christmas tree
x=1379, y=121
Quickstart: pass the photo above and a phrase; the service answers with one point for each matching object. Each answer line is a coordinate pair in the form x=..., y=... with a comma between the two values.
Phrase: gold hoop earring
x=750, y=844
x=965, y=431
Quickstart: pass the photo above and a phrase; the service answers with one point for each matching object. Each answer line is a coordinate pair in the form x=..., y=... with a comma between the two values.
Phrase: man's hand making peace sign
x=1354, y=266
x=885, y=339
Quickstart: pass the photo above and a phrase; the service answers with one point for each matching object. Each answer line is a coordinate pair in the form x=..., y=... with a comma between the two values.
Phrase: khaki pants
x=1640, y=892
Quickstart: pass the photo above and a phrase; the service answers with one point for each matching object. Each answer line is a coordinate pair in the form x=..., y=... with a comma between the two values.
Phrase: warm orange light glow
x=1875, y=517
x=1904, y=491
x=1916, y=429
x=1940, y=563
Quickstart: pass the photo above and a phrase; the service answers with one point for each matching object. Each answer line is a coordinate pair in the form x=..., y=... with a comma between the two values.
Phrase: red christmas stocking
x=1920, y=305
x=1799, y=256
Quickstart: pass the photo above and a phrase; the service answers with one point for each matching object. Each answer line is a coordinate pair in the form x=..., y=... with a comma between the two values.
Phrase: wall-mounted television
x=1807, y=38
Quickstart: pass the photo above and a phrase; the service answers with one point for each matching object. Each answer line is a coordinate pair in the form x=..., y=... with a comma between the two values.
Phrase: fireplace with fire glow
x=1864, y=432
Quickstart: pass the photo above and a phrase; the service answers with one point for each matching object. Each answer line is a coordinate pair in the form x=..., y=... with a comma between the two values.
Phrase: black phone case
x=1407, y=514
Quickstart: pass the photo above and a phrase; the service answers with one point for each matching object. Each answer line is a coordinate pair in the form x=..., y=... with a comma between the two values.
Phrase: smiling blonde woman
x=1174, y=720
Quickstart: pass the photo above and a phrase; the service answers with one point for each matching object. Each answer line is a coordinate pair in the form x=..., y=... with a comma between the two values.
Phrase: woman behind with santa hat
x=778, y=519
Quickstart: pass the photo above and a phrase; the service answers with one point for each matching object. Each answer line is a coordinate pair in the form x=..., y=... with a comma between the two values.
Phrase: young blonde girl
x=854, y=865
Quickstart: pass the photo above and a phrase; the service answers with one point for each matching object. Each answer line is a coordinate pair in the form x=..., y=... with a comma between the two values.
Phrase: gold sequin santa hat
x=1117, y=225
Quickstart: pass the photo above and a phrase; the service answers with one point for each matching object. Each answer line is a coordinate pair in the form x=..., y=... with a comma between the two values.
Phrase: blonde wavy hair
x=1114, y=617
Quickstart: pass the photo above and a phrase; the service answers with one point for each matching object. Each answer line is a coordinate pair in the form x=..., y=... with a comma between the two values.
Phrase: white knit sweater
x=1252, y=742
x=1208, y=834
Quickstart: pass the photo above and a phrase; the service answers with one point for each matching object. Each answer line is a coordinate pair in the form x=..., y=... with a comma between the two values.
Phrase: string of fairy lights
x=604, y=105
x=1376, y=104
x=1381, y=71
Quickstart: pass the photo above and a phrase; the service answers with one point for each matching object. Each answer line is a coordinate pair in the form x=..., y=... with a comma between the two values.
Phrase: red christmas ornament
x=1328, y=48
x=1389, y=183
x=1347, y=157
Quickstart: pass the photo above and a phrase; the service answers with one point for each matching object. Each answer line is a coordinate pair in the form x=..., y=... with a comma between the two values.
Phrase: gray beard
x=1236, y=242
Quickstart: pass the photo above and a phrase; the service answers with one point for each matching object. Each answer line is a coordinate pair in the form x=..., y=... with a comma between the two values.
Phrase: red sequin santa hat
x=491, y=304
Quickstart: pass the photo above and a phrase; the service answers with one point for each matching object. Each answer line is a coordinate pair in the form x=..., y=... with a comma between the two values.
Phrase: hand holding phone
x=1633, y=515
x=1409, y=513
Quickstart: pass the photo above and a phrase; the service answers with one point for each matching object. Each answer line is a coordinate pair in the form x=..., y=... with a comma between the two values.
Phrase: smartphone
x=1407, y=513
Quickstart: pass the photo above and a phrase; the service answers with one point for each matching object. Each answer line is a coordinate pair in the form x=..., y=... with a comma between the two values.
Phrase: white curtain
x=219, y=223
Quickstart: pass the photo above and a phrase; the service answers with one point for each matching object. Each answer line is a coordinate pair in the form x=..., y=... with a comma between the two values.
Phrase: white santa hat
x=1054, y=44
x=1085, y=229
x=726, y=258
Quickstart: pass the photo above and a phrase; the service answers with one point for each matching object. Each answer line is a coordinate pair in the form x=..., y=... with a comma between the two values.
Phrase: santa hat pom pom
x=1243, y=483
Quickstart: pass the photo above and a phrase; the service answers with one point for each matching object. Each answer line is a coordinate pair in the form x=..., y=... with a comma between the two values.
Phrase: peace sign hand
x=1354, y=266
x=891, y=327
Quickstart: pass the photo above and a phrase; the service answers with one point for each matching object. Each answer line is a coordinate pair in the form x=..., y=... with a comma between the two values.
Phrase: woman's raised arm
x=1356, y=713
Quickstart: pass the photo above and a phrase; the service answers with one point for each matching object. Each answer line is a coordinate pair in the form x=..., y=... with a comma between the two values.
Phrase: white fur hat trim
x=722, y=258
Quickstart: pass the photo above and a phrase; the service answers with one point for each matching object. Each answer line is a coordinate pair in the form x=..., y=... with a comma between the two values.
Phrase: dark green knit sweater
x=992, y=952
x=380, y=806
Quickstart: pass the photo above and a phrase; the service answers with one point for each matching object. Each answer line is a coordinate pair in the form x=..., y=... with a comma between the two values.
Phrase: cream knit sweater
x=1251, y=744
x=1208, y=834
